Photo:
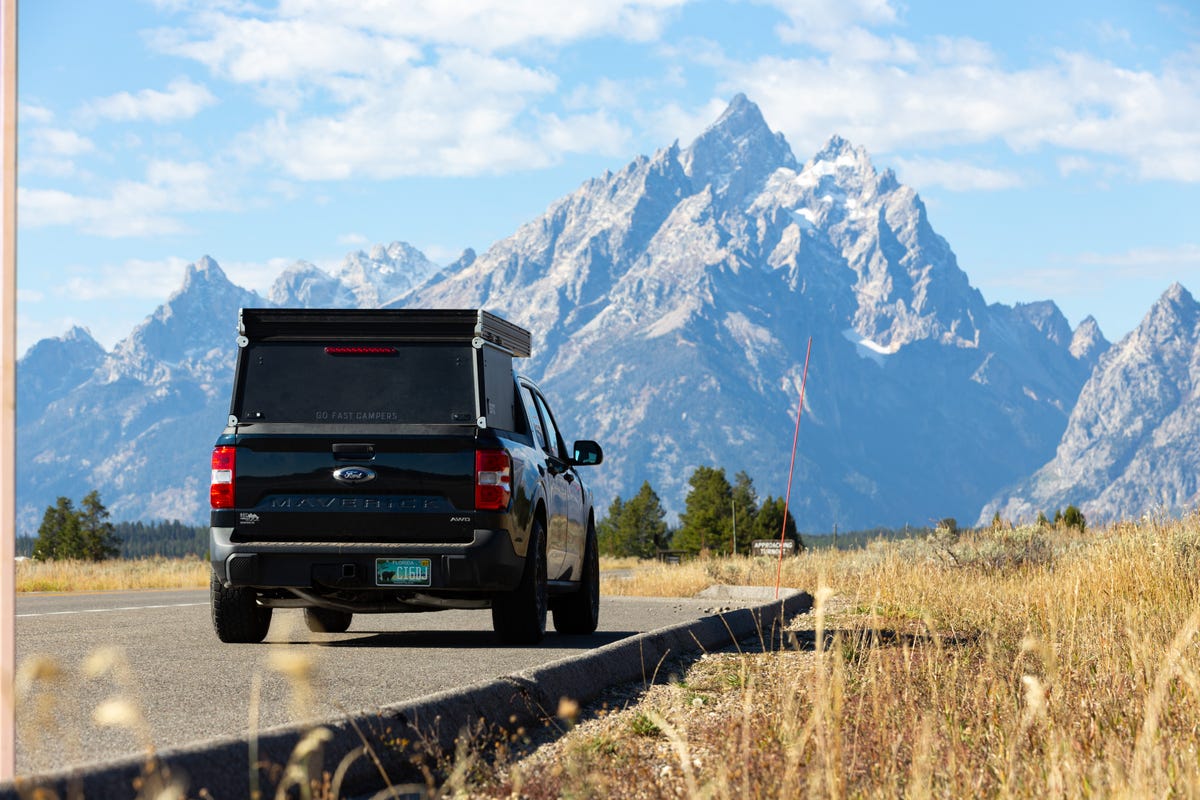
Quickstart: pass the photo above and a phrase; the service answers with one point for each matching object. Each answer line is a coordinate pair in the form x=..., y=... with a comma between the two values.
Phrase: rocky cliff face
x=671, y=304
x=1131, y=444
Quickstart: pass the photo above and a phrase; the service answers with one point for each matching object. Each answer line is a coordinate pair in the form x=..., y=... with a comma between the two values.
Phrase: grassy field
x=92, y=576
x=1011, y=663
x=1014, y=663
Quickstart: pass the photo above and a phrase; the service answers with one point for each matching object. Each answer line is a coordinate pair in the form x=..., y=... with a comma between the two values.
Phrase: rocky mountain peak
x=203, y=271
x=1088, y=342
x=1172, y=315
x=51, y=367
x=372, y=279
x=737, y=153
x=185, y=329
x=364, y=279
x=849, y=168
x=78, y=335
x=1045, y=316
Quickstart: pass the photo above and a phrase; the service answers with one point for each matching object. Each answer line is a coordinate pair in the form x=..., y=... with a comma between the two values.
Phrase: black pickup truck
x=380, y=461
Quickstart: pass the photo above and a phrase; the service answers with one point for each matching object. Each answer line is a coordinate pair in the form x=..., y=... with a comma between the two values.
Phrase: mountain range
x=672, y=303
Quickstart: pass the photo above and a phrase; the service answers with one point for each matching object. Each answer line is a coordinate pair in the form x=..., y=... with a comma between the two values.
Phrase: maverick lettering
x=356, y=503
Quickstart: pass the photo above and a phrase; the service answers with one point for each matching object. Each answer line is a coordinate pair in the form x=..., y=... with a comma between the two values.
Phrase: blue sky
x=1057, y=145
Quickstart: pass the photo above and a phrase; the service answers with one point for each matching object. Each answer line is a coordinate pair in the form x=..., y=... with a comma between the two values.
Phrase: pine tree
x=98, y=537
x=1073, y=518
x=58, y=535
x=84, y=534
x=643, y=524
x=636, y=527
x=705, y=523
x=745, y=510
x=606, y=530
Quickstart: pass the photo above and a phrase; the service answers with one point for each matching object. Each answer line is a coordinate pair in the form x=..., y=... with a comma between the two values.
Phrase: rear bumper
x=485, y=565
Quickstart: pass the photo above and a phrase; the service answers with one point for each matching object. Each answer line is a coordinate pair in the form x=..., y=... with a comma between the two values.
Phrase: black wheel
x=519, y=616
x=237, y=617
x=579, y=612
x=327, y=620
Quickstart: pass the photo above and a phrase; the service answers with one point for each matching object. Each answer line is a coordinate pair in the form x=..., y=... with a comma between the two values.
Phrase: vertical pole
x=787, y=498
x=8, y=386
x=733, y=513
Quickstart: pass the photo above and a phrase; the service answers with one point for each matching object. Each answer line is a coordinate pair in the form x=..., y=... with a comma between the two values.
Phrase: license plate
x=402, y=572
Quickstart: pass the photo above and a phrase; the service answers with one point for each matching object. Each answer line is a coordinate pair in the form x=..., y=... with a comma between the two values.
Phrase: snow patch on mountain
x=865, y=348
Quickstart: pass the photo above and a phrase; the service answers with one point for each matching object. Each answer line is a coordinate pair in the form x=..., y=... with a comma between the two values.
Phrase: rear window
x=360, y=383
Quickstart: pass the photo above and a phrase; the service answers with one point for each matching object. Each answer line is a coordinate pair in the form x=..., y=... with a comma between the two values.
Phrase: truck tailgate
x=369, y=488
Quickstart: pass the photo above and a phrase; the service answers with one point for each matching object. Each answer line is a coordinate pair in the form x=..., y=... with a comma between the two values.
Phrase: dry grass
x=1012, y=663
x=1015, y=663
x=97, y=576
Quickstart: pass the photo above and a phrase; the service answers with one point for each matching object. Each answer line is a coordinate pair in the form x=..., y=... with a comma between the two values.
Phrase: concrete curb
x=395, y=733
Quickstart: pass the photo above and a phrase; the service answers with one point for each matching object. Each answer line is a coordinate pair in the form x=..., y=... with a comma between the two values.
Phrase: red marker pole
x=792, y=468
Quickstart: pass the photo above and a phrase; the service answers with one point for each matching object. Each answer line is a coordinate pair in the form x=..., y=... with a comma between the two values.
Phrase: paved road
x=188, y=686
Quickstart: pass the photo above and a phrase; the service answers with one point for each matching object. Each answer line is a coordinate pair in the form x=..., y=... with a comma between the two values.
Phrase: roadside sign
x=770, y=547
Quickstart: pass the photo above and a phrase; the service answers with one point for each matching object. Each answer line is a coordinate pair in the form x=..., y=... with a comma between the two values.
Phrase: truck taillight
x=220, y=491
x=493, y=480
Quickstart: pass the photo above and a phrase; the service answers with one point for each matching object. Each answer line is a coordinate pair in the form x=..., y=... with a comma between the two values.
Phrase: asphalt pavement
x=183, y=686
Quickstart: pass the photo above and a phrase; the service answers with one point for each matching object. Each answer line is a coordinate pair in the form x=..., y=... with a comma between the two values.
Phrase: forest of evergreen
x=172, y=539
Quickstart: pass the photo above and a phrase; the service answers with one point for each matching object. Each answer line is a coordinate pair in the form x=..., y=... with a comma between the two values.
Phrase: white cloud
x=1071, y=165
x=466, y=115
x=59, y=142
x=183, y=99
x=1159, y=262
x=352, y=239
x=1108, y=33
x=132, y=208
x=670, y=121
x=492, y=24
x=30, y=113
x=957, y=176
x=375, y=89
x=841, y=27
x=1075, y=103
x=585, y=133
x=301, y=50
x=146, y=279
x=52, y=151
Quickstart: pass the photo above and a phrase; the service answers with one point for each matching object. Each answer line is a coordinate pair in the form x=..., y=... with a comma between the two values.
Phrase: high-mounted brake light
x=493, y=480
x=348, y=350
x=220, y=491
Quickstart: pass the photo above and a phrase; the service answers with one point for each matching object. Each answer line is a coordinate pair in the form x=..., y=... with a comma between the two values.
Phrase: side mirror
x=587, y=453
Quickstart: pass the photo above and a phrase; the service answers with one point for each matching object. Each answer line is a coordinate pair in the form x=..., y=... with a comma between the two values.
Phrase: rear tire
x=327, y=620
x=237, y=617
x=519, y=616
x=579, y=612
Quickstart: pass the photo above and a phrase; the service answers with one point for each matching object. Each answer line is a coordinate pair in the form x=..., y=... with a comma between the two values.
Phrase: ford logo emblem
x=353, y=475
